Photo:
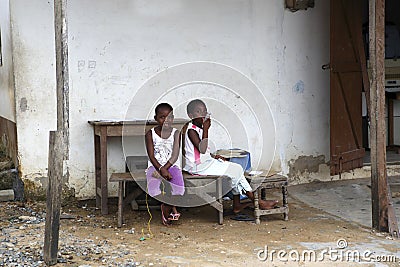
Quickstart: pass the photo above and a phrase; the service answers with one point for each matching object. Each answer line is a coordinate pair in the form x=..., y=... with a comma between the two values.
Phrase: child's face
x=199, y=113
x=164, y=118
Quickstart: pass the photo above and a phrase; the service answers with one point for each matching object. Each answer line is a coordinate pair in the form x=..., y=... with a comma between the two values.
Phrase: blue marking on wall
x=298, y=88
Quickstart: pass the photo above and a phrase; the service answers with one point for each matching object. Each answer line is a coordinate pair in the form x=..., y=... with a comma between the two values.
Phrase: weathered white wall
x=116, y=46
x=34, y=70
x=7, y=107
x=303, y=92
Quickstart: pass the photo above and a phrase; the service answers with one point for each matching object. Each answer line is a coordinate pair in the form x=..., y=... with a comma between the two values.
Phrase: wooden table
x=104, y=129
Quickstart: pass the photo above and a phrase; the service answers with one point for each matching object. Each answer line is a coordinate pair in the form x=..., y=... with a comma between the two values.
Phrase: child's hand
x=165, y=173
x=206, y=124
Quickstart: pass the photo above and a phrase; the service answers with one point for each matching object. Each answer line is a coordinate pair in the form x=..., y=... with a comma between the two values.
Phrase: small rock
x=27, y=218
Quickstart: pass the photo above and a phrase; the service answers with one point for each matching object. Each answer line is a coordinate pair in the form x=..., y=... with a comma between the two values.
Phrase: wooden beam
x=53, y=200
x=383, y=218
x=59, y=140
x=390, y=123
x=62, y=71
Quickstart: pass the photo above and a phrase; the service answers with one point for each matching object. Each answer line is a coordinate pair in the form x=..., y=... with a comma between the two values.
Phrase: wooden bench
x=191, y=184
x=264, y=182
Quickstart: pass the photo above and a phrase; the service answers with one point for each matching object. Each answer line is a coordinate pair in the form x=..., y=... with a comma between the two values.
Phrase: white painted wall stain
x=115, y=46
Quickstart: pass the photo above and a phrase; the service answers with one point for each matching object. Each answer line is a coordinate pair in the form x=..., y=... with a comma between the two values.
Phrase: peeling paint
x=33, y=190
x=23, y=104
x=305, y=164
x=36, y=190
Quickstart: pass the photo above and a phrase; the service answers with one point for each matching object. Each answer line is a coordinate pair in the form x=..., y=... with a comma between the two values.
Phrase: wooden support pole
x=62, y=72
x=59, y=140
x=53, y=200
x=383, y=217
x=390, y=123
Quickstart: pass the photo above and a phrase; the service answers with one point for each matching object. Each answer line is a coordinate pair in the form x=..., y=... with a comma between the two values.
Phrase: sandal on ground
x=165, y=221
x=174, y=216
x=242, y=217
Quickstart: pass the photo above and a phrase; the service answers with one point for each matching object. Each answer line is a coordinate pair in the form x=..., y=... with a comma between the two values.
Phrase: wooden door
x=347, y=60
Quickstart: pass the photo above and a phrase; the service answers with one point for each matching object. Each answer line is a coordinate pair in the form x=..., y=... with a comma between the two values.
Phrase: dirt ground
x=88, y=238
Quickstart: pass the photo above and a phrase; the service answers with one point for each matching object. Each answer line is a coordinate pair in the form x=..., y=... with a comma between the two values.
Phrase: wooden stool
x=269, y=182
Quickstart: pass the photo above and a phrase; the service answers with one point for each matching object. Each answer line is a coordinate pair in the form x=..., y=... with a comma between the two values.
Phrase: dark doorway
x=392, y=81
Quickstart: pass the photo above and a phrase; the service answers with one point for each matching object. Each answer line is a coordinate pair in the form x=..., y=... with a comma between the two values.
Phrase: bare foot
x=174, y=210
x=267, y=204
x=238, y=208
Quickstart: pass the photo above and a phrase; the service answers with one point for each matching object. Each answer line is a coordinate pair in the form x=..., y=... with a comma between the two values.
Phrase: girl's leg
x=177, y=184
x=178, y=188
x=237, y=206
x=153, y=184
x=174, y=210
x=165, y=211
x=264, y=204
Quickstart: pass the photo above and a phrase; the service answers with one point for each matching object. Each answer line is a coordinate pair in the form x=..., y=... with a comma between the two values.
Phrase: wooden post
x=390, y=123
x=59, y=140
x=62, y=72
x=383, y=218
x=53, y=201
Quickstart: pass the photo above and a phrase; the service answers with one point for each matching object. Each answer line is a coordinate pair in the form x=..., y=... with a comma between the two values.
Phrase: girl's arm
x=201, y=145
x=150, y=150
x=175, y=150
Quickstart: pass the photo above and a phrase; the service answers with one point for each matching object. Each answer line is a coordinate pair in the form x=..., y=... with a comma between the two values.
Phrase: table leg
x=121, y=189
x=285, y=202
x=103, y=170
x=256, y=206
x=97, y=168
x=219, y=199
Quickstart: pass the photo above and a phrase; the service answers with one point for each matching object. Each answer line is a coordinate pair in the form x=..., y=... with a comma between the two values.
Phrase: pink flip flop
x=174, y=216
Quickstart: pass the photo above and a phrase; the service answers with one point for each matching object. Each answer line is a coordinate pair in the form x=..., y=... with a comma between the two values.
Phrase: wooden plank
x=129, y=130
x=59, y=140
x=133, y=122
x=128, y=176
x=345, y=67
x=62, y=72
x=348, y=156
x=53, y=200
x=141, y=175
x=383, y=217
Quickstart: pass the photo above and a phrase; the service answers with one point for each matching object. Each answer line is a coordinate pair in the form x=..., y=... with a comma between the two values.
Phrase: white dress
x=204, y=164
x=163, y=147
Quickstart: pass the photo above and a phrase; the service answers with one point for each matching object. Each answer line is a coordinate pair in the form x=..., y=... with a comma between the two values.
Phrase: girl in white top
x=162, y=145
x=199, y=161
